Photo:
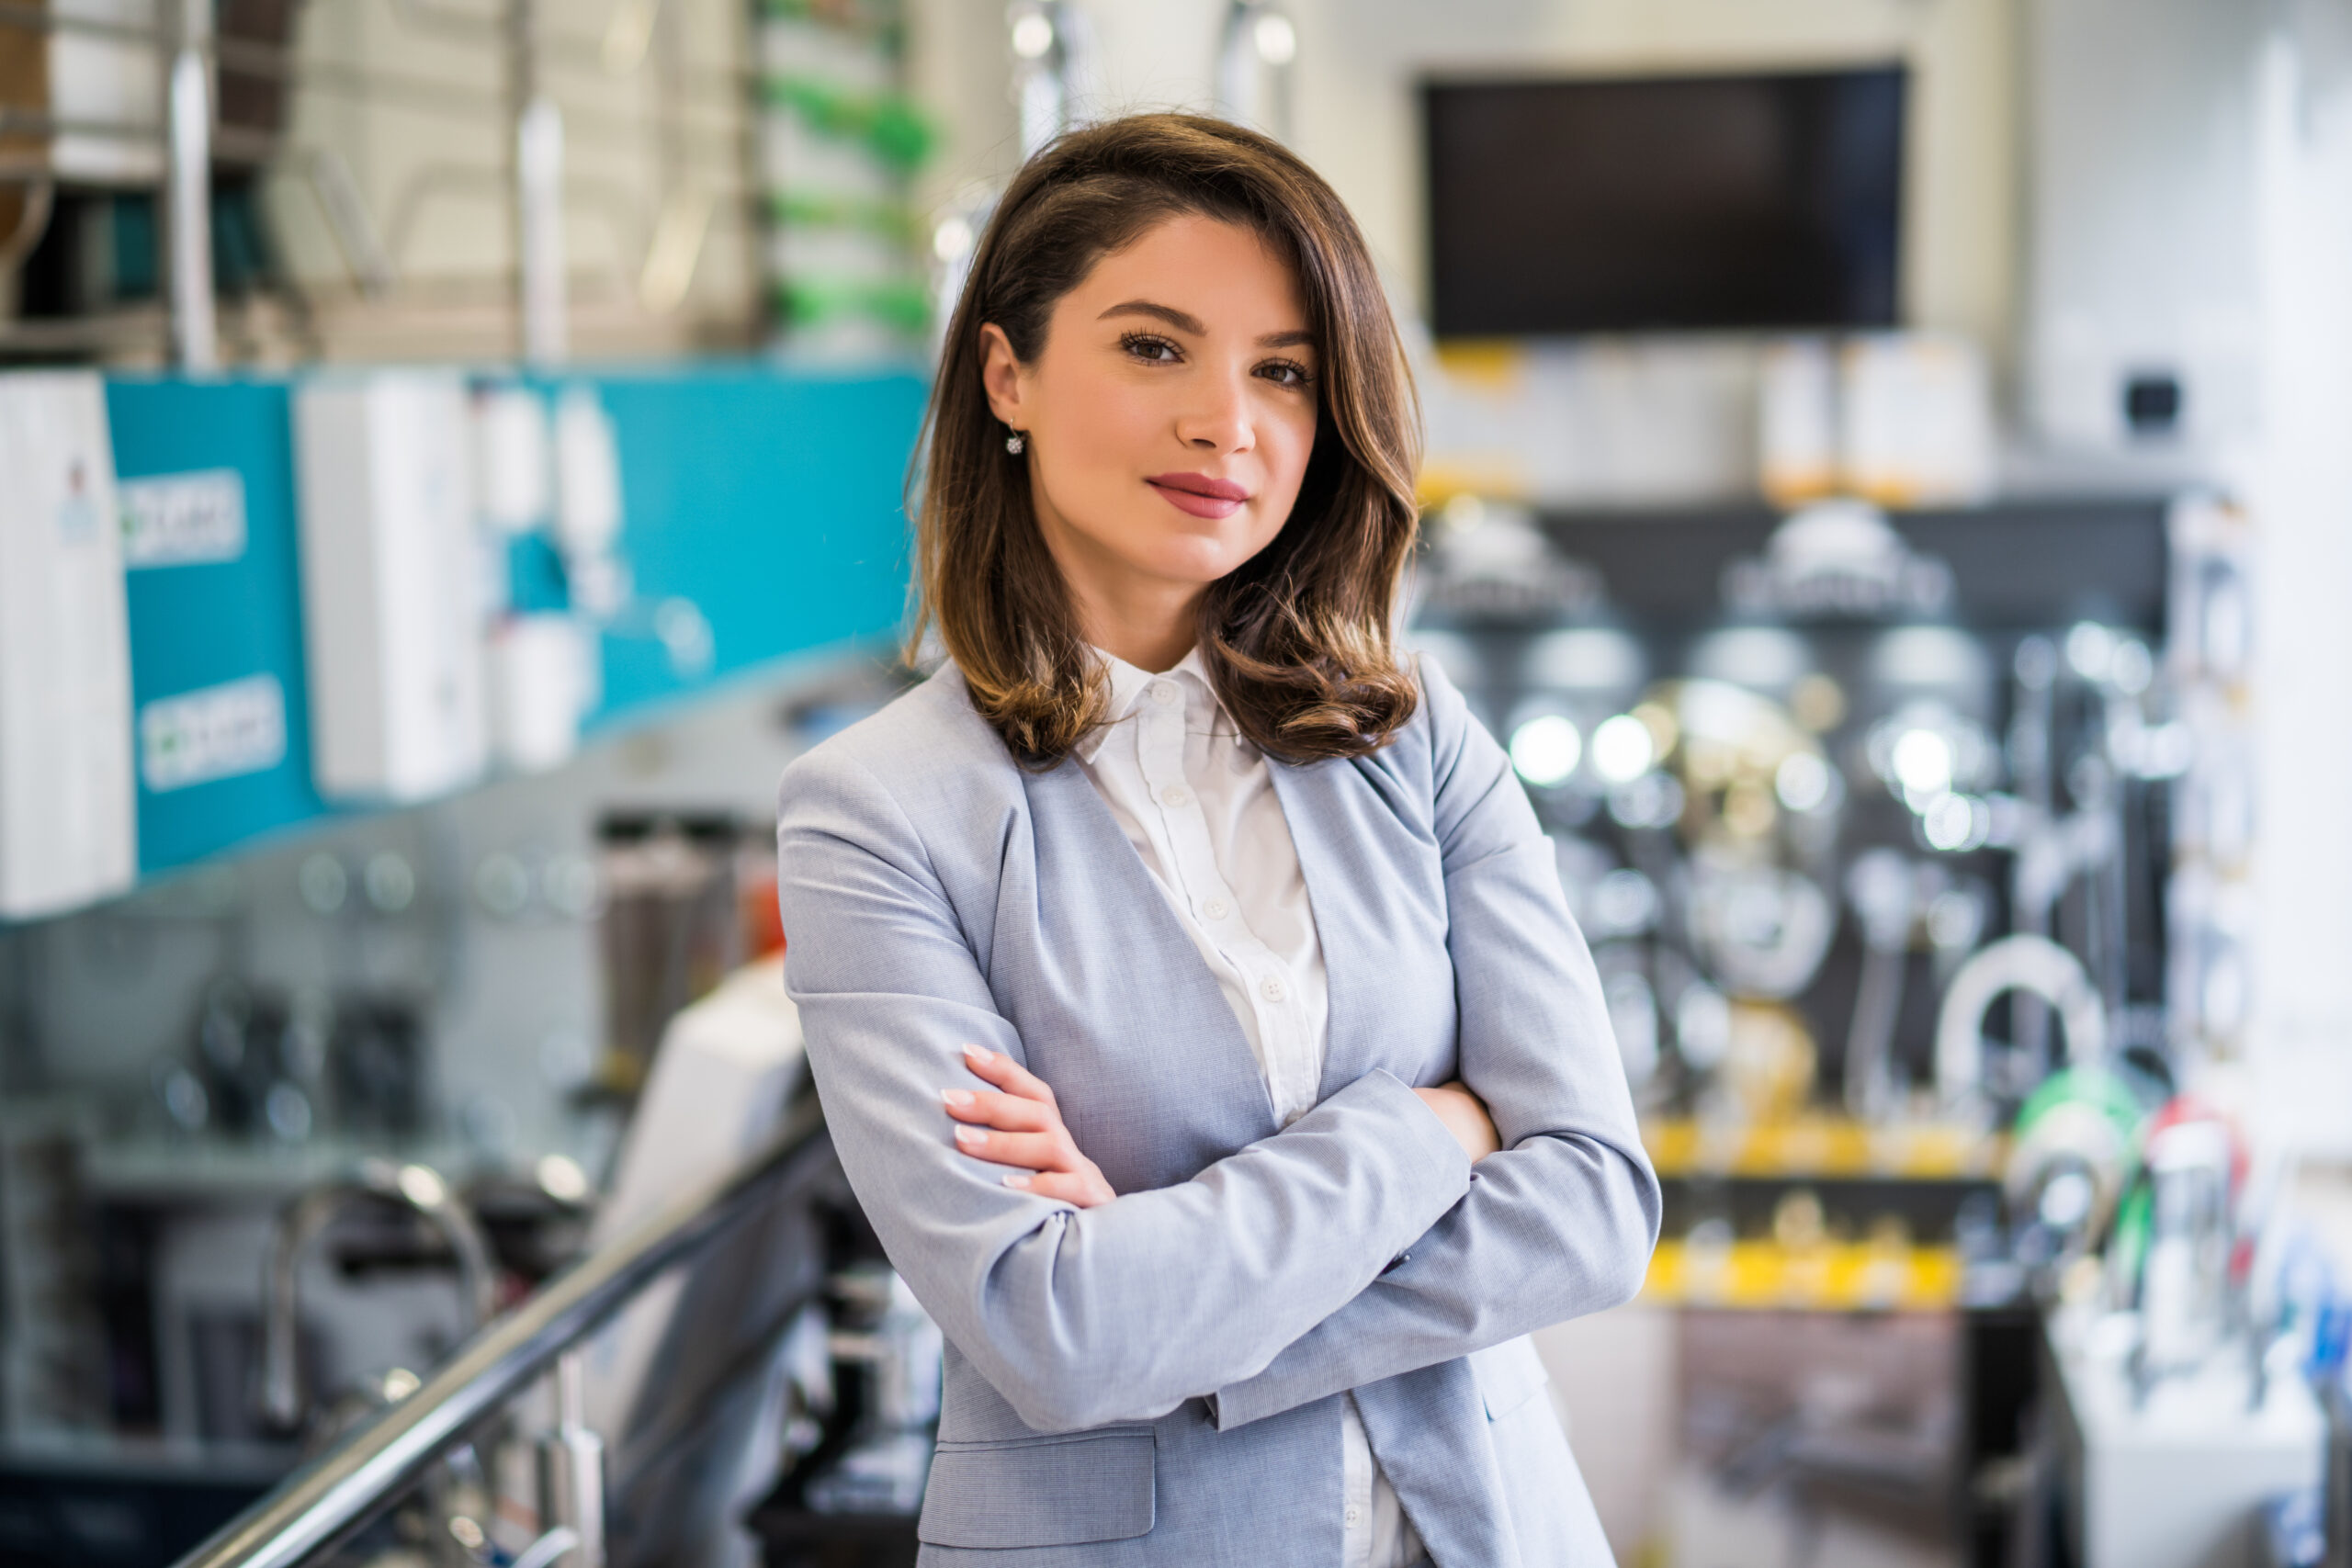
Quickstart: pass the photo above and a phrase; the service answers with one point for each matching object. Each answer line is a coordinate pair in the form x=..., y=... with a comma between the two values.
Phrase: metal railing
x=349, y=1485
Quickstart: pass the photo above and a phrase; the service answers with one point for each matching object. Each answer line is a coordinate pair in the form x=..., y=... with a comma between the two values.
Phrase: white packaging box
x=720, y=1085
x=1796, y=421
x=540, y=685
x=391, y=595
x=68, y=802
x=1916, y=415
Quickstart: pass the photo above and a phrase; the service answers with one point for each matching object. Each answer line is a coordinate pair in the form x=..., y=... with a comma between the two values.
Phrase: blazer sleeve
x=1078, y=1317
x=1561, y=1222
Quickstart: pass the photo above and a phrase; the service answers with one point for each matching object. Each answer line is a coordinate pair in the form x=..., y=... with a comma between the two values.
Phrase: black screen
x=1618, y=205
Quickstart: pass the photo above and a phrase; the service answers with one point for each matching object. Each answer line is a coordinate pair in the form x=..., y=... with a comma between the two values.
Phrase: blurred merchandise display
x=1802, y=815
x=53, y=1361
x=1900, y=419
x=67, y=831
x=391, y=583
x=1806, y=1438
x=2210, y=665
x=547, y=497
x=371, y=588
x=460, y=555
x=839, y=140
x=674, y=919
x=864, y=1368
x=1914, y=882
x=252, y=182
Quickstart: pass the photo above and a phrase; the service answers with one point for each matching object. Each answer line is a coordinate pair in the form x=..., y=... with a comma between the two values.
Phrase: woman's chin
x=1163, y=544
x=1199, y=554
x=1195, y=567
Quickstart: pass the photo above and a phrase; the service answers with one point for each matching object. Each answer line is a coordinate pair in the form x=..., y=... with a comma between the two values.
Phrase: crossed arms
x=1260, y=1280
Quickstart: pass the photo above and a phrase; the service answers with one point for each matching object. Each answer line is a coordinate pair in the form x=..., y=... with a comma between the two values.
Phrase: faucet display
x=284, y=1402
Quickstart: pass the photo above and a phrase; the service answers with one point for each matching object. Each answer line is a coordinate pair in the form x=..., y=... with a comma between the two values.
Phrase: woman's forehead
x=1223, y=277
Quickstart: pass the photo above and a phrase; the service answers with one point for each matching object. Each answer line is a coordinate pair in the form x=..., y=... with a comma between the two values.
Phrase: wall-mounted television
x=1685, y=203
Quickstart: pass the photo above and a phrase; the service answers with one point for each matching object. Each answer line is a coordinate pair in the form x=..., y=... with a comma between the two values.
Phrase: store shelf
x=175, y=1171
x=1817, y=1214
x=767, y=499
x=1833, y=1277
x=1824, y=1147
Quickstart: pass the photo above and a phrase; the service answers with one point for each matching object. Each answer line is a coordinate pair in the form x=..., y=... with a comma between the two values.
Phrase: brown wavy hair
x=1299, y=638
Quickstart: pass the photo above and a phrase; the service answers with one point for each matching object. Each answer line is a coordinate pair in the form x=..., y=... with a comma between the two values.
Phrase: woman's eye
x=1285, y=373
x=1156, y=350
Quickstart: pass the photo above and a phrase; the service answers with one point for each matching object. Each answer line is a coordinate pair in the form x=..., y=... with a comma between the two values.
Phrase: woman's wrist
x=1464, y=1115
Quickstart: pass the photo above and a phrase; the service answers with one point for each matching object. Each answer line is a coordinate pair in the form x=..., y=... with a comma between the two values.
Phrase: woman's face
x=1169, y=416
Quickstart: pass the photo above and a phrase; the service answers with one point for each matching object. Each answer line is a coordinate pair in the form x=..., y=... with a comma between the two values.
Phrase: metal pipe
x=572, y=1467
x=544, y=1551
x=187, y=113
x=345, y=1487
x=307, y=1218
x=1254, y=54
x=2024, y=963
x=538, y=198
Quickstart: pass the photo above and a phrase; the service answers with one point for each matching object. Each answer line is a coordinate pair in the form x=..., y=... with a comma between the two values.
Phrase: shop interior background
x=508, y=479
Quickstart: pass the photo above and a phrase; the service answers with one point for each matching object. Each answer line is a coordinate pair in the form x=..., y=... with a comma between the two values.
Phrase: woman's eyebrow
x=1185, y=322
x=1169, y=314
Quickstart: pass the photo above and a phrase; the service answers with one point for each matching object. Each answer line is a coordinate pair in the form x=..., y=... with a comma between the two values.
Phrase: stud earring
x=1014, y=442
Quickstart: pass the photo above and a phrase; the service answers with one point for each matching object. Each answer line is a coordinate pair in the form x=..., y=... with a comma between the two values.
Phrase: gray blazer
x=1156, y=1381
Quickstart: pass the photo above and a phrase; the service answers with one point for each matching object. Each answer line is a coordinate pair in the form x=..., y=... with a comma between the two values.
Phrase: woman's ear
x=1001, y=375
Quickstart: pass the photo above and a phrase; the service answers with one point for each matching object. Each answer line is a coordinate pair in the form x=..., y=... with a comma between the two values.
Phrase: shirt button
x=1215, y=909
x=1176, y=795
x=1271, y=990
x=1162, y=693
x=1352, y=1517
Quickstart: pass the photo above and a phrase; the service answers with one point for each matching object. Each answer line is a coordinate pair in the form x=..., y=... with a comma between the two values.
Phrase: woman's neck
x=1147, y=621
x=1157, y=643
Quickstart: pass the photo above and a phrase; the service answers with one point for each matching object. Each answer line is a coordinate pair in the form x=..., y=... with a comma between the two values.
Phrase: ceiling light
x=1545, y=749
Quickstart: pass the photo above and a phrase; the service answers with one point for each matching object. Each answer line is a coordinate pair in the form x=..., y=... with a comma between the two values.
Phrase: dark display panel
x=1639, y=204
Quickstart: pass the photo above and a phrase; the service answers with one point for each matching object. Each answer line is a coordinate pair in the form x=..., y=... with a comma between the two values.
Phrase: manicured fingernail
x=971, y=1137
x=1018, y=1178
x=979, y=1053
x=956, y=1097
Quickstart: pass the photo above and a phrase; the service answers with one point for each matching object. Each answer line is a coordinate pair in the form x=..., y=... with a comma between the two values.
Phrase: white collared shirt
x=1197, y=801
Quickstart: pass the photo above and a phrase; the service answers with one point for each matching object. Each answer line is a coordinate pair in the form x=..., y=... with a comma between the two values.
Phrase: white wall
x=1359, y=62
x=2300, y=480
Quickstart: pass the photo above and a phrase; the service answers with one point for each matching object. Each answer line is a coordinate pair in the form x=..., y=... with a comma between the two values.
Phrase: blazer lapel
x=1064, y=802
x=1316, y=806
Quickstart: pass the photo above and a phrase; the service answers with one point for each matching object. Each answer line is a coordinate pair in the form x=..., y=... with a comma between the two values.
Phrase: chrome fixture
x=375, y=1463
x=283, y=1399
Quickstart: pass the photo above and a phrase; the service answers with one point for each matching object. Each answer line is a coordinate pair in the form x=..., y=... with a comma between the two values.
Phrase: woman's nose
x=1217, y=418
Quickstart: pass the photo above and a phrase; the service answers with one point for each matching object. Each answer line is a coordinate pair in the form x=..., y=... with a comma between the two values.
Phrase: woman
x=1139, y=948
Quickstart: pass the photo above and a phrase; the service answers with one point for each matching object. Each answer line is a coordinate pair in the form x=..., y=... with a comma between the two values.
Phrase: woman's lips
x=1199, y=494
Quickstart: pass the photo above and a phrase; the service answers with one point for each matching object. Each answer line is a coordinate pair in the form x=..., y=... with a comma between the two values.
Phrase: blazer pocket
x=1509, y=1374
x=1063, y=1490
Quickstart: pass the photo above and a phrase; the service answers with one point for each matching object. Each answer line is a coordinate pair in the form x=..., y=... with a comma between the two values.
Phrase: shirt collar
x=1129, y=684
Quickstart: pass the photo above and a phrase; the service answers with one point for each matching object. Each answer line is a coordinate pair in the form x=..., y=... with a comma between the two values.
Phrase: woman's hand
x=1464, y=1115
x=1021, y=1126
